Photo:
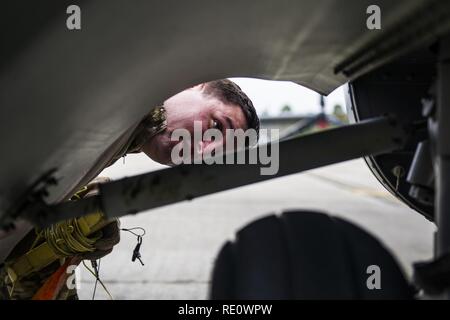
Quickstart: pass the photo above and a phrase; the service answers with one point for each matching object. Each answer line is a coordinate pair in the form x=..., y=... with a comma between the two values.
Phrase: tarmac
x=183, y=240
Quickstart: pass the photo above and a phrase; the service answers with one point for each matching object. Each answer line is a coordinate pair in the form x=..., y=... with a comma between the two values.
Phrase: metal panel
x=66, y=96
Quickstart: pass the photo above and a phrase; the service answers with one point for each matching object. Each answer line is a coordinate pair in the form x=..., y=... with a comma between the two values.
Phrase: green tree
x=286, y=109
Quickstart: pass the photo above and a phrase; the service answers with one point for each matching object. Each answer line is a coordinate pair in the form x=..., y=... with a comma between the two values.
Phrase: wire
x=136, y=251
x=66, y=239
x=99, y=281
x=96, y=267
x=130, y=230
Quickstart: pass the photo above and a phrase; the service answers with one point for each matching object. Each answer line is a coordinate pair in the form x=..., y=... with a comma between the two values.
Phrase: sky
x=270, y=96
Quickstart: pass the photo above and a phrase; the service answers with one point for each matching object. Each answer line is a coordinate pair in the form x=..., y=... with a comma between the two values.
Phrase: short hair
x=229, y=92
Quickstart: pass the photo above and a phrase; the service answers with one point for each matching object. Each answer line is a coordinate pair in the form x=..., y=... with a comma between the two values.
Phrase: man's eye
x=216, y=124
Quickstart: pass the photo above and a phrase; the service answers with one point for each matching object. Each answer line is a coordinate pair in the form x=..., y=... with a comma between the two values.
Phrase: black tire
x=305, y=255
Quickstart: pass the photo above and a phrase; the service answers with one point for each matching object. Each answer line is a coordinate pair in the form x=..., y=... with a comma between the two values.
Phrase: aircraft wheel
x=306, y=255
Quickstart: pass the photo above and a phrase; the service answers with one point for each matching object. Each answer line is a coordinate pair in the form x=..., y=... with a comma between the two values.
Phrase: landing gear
x=434, y=276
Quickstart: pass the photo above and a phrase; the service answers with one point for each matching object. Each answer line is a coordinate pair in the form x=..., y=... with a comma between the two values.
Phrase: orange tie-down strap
x=53, y=285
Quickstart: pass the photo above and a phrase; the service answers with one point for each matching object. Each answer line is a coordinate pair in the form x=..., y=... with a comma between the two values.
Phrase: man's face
x=186, y=107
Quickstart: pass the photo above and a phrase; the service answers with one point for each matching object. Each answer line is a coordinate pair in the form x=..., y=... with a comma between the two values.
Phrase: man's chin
x=161, y=160
x=159, y=150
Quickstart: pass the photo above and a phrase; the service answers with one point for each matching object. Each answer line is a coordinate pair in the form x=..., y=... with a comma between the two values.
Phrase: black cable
x=130, y=230
x=97, y=276
x=136, y=251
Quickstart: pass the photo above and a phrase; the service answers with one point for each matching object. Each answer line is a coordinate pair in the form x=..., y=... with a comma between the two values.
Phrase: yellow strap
x=43, y=255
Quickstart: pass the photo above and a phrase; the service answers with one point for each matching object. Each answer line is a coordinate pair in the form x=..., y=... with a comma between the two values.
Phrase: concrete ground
x=182, y=240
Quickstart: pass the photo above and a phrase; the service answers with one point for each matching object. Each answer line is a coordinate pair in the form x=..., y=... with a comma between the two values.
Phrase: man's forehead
x=209, y=103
